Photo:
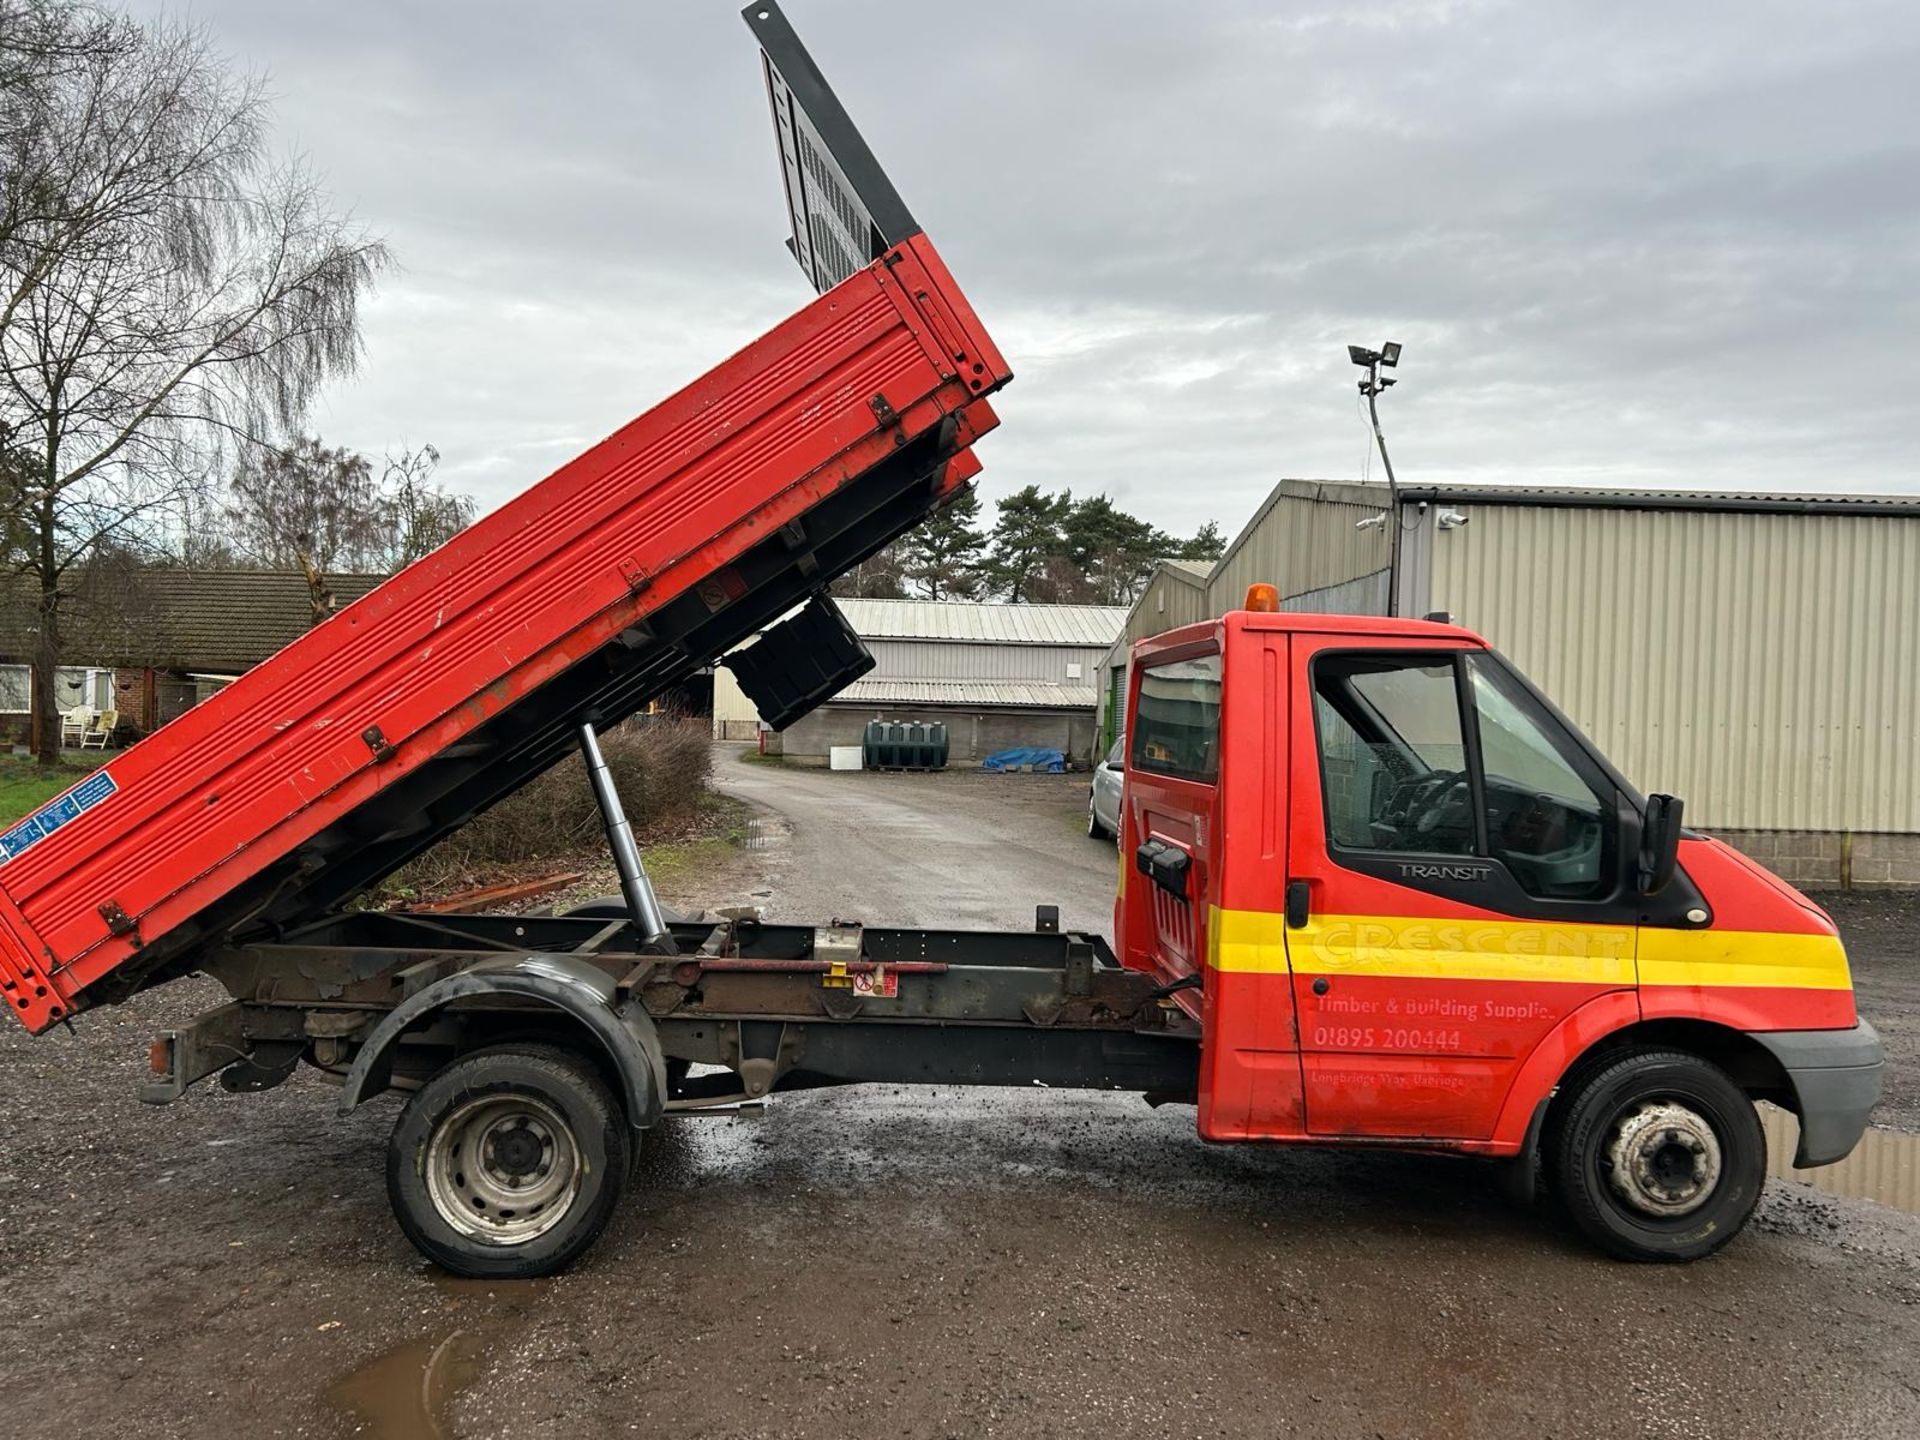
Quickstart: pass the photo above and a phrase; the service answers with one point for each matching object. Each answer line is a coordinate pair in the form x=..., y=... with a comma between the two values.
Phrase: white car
x=1103, y=801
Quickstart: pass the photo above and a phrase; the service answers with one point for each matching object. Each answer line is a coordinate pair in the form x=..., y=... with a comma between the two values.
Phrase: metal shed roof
x=1188, y=569
x=1011, y=694
x=1725, y=501
x=1081, y=625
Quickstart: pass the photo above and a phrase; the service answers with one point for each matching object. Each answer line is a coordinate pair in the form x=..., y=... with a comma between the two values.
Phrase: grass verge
x=25, y=784
x=704, y=835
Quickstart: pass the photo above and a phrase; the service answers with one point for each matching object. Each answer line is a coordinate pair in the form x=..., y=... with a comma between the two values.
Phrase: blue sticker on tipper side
x=55, y=813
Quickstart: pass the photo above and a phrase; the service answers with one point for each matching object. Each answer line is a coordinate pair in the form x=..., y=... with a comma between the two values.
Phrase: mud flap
x=1519, y=1175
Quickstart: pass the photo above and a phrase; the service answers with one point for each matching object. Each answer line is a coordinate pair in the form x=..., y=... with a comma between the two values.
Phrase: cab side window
x=1437, y=755
x=1176, y=720
x=1393, y=756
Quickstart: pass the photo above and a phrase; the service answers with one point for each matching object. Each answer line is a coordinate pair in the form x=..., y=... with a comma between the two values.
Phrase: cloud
x=1636, y=243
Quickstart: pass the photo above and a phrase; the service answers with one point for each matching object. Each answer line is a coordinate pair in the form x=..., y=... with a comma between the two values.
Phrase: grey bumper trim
x=1836, y=1081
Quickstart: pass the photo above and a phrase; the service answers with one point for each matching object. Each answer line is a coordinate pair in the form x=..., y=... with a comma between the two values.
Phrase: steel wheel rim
x=1663, y=1159
x=503, y=1169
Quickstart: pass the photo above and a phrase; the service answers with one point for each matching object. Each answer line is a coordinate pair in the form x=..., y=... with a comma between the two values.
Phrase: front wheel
x=508, y=1163
x=1658, y=1156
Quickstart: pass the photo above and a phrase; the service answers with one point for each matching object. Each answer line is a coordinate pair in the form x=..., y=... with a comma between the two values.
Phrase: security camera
x=1451, y=519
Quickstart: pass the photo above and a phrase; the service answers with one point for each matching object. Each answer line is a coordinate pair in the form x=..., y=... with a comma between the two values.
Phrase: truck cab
x=1408, y=903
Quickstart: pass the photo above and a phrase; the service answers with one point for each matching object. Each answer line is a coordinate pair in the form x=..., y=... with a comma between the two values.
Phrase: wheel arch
x=623, y=1039
x=1611, y=1023
x=1748, y=1063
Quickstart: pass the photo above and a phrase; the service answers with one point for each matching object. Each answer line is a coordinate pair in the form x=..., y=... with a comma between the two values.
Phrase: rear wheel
x=508, y=1163
x=1658, y=1155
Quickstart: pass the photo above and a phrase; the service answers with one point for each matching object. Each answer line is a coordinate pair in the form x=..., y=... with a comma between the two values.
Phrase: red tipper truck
x=1374, y=888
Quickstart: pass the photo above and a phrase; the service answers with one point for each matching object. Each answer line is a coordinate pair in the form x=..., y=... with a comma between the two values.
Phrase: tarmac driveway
x=893, y=1261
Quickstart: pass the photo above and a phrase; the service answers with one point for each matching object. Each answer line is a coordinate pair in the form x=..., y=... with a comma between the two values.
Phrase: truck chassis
x=381, y=1001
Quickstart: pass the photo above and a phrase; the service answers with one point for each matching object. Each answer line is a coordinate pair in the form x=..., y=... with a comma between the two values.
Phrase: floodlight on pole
x=1388, y=355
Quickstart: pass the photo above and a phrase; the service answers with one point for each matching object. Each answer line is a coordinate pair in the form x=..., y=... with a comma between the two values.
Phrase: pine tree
x=1207, y=544
x=1114, y=550
x=1029, y=529
x=943, y=556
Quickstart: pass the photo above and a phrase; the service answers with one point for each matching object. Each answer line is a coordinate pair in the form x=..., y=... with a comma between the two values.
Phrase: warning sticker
x=879, y=982
x=56, y=812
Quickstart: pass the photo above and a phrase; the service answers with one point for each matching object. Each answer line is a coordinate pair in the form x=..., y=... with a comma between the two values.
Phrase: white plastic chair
x=101, y=730
x=74, y=725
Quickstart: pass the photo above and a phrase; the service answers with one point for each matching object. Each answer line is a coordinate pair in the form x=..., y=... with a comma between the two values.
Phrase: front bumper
x=1836, y=1080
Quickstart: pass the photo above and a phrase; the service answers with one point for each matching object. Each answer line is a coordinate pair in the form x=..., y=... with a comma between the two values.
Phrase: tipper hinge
x=888, y=417
x=119, y=923
x=377, y=742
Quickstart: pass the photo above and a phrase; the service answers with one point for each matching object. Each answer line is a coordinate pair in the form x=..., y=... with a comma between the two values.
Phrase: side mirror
x=1660, y=843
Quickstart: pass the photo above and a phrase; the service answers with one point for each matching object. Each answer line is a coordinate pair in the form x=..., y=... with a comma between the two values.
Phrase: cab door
x=1167, y=832
x=1202, y=862
x=1463, y=886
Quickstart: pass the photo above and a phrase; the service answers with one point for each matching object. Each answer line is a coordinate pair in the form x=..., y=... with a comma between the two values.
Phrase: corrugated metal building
x=1758, y=655
x=996, y=675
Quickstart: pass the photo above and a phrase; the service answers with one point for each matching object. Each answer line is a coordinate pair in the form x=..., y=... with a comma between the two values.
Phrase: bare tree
x=314, y=509
x=165, y=288
x=304, y=503
x=422, y=516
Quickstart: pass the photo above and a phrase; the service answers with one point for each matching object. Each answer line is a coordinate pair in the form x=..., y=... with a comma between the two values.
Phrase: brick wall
x=1886, y=860
x=1818, y=859
x=130, y=699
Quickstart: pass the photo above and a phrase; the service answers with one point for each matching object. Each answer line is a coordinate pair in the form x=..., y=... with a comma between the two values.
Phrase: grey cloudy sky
x=1623, y=243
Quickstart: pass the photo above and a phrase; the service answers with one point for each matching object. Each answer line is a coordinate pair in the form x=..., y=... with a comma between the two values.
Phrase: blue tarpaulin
x=1026, y=757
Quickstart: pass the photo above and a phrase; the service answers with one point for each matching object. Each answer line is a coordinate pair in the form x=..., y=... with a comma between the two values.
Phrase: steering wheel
x=1419, y=805
x=1448, y=800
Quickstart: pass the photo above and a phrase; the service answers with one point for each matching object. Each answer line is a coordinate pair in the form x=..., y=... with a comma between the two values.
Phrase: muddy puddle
x=1885, y=1166
x=407, y=1392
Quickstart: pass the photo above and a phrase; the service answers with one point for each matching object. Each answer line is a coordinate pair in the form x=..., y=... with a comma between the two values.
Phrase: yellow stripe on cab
x=1258, y=942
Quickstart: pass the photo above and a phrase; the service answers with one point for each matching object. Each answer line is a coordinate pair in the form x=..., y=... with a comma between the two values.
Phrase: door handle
x=1298, y=906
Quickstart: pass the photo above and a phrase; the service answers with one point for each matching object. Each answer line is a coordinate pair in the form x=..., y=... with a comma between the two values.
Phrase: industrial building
x=996, y=675
x=1757, y=655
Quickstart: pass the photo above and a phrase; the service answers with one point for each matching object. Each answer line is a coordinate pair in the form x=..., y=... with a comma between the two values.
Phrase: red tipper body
x=200, y=828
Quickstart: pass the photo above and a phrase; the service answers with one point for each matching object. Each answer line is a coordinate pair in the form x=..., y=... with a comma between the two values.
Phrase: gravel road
x=903, y=1262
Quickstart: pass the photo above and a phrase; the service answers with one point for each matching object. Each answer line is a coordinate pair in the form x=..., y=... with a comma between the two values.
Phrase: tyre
x=508, y=1163
x=1658, y=1155
x=1095, y=830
